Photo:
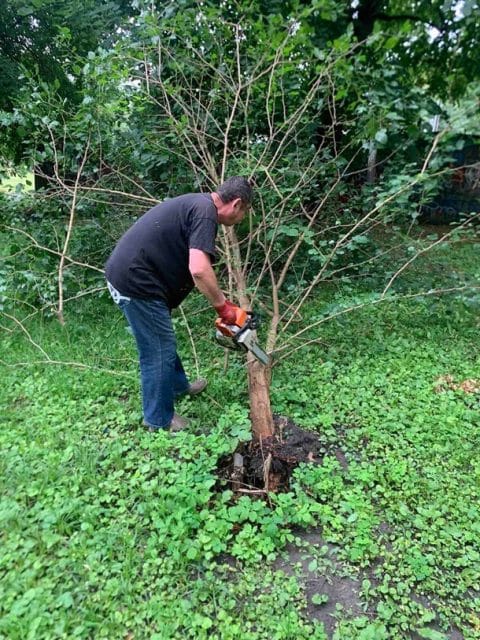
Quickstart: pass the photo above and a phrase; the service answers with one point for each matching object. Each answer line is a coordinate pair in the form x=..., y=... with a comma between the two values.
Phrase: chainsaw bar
x=244, y=337
x=247, y=339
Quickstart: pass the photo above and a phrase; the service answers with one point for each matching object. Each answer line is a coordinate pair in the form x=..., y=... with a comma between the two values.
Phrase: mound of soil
x=260, y=467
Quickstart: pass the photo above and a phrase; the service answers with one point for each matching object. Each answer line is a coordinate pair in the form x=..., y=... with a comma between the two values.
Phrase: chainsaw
x=241, y=335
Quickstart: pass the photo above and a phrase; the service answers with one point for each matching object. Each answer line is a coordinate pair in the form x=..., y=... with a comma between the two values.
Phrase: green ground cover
x=110, y=532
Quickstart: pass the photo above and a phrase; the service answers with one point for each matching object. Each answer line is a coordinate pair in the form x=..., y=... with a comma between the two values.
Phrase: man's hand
x=227, y=312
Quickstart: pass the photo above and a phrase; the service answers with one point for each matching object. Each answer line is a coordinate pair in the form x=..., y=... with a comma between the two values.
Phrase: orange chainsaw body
x=241, y=335
x=230, y=330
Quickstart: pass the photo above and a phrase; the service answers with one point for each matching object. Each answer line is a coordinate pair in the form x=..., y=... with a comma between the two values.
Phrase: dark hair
x=236, y=187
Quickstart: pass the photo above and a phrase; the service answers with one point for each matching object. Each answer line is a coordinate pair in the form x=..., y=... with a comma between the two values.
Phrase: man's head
x=232, y=199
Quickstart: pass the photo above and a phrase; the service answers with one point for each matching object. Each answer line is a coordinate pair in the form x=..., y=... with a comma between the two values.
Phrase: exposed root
x=265, y=466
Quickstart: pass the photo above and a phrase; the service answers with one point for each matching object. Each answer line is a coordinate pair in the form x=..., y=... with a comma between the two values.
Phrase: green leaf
x=431, y=634
x=25, y=10
x=391, y=42
x=374, y=631
x=65, y=600
x=320, y=598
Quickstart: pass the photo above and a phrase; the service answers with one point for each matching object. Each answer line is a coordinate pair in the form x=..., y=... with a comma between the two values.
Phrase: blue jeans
x=161, y=370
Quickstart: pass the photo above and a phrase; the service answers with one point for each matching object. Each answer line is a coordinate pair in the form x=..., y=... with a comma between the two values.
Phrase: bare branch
x=26, y=332
x=37, y=245
x=235, y=103
x=192, y=341
x=408, y=296
x=76, y=365
x=69, y=234
x=425, y=250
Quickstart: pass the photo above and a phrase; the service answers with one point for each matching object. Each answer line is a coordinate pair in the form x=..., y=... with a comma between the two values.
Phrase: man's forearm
x=204, y=277
x=206, y=283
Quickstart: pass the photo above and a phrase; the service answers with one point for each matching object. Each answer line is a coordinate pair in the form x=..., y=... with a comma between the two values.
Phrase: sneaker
x=197, y=387
x=178, y=423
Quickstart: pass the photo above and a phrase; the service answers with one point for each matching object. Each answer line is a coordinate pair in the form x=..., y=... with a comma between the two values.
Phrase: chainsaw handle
x=241, y=317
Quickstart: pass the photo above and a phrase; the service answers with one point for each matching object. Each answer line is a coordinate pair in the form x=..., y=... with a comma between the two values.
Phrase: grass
x=13, y=182
x=110, y=532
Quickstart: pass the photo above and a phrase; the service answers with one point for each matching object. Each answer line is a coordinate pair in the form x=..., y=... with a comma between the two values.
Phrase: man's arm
x=204, y=277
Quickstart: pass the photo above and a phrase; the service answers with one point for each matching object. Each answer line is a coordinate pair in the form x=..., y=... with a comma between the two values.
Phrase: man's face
x=237, y=211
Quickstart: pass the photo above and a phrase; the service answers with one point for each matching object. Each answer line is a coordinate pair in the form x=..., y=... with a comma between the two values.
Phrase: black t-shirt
x=151, y=258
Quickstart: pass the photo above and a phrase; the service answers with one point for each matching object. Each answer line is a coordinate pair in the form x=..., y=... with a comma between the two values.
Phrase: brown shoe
x=197, y=387
x=178, y=423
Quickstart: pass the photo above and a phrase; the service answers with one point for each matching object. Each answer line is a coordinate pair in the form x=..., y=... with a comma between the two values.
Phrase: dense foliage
x=181, y=97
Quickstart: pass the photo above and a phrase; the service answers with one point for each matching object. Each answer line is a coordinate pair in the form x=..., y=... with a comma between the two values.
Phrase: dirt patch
x=328, y=585
x=261, y=467
x=332, y=589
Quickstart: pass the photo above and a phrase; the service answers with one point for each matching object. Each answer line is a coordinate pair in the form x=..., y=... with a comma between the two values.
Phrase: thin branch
x=430, y=292
x=69, y=234
x=235, y=103
x=62, y=363
x=37, y=245
x=425, y=250
x=347, y=236
x=26, y=332
x=192, y=341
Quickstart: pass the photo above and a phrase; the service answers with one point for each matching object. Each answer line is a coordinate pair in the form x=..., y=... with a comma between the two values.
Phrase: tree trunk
x=259, y=376
x=259, y=393
x=372, y=163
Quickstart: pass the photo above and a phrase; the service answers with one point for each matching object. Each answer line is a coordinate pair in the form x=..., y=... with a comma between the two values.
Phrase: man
x=154, y=266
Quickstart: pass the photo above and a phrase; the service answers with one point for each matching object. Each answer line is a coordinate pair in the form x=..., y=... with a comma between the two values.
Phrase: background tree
x=42, y=38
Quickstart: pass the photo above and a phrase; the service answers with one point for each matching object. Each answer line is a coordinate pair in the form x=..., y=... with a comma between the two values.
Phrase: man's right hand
x=227, y=312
